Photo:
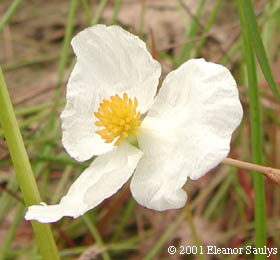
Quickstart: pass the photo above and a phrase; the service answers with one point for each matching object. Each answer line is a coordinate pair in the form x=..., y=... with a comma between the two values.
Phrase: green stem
x=250, y=17
x=219, y=195
x=87, y=11
x=28, y=122
x=59, y=160
x=99, y=12
x=126, y=215
x=62, y=65
x=167, y=233
x=61, y=185
x=256, y=132
x=7, y=201
x=23, y=170
x=193, y=231
x=93, y=230
x=7, y=16
x=117, y=7
x=142, y=20
x=208, y=26
x=11, y=233
x=187, y=48
x=66, y=41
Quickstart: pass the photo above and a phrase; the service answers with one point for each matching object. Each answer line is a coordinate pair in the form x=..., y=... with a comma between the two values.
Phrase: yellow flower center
x=118, y=118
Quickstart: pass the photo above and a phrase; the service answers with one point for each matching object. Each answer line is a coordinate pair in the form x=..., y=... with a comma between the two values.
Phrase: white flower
x=183, y=132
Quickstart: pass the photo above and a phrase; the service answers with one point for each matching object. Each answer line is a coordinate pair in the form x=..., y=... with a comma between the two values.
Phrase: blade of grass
x=66, y=42
x=207, y=191
x=23, y=170
x=6, y=201
x=216, y=199
x=28, y=122
x=168, y=57
x=250, y=18
x=208, y=26
x=8, y=15
x=51, y=125
x=64, y=160
x=193, y=230
x=64, y=54
x=61, y=185
x=29, y=62
x=31, y=110
x=129, y=244
x=268, y=31
x=93, y=230
x=240, y=195
x=185, y=52
x=87, y=11
x=162, y=240
x=99, y=12
x=231, y=53
x=126, y=215
x=256, y=132
x=117, y=7
x=11, y=233
x=62, y=62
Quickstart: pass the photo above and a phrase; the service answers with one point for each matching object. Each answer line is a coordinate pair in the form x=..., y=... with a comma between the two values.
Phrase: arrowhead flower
x=113, y=112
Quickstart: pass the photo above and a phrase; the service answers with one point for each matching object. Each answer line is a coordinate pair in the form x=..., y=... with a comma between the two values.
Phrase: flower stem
x=271, y=173
x=23, y=170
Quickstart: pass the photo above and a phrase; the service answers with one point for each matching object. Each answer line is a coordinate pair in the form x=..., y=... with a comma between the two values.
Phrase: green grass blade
x=62, y=65
x=126, y=215
x=217, y=198
x=208, y=26
x=23, y=170
x=61, y=185
x=87, y=11
x=7, y=16
x=117, y=7
x=99, y=12
x=93, y=230
x=66, y=41
x=7, y=202
x=256, y=132
x=195, y=238
x=185, y=52
x=259, y=47
x=162, y=240
x=11, y=233
x=142, y=19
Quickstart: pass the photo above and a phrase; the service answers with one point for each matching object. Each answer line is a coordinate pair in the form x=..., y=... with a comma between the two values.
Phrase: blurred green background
x=36, y=60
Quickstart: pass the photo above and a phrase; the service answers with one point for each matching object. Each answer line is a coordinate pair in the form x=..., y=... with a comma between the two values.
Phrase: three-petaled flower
x=160, y=140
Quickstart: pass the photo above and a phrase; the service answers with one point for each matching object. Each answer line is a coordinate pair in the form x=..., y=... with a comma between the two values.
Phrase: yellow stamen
x=118, y=118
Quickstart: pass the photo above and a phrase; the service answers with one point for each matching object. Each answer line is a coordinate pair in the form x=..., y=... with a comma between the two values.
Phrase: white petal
x=200, y=101
x=110, y=61
x=186, y=133
x=104, y=177
x=159, y=176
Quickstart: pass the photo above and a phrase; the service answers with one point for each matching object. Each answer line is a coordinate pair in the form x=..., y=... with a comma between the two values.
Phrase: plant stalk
x=23, y=171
